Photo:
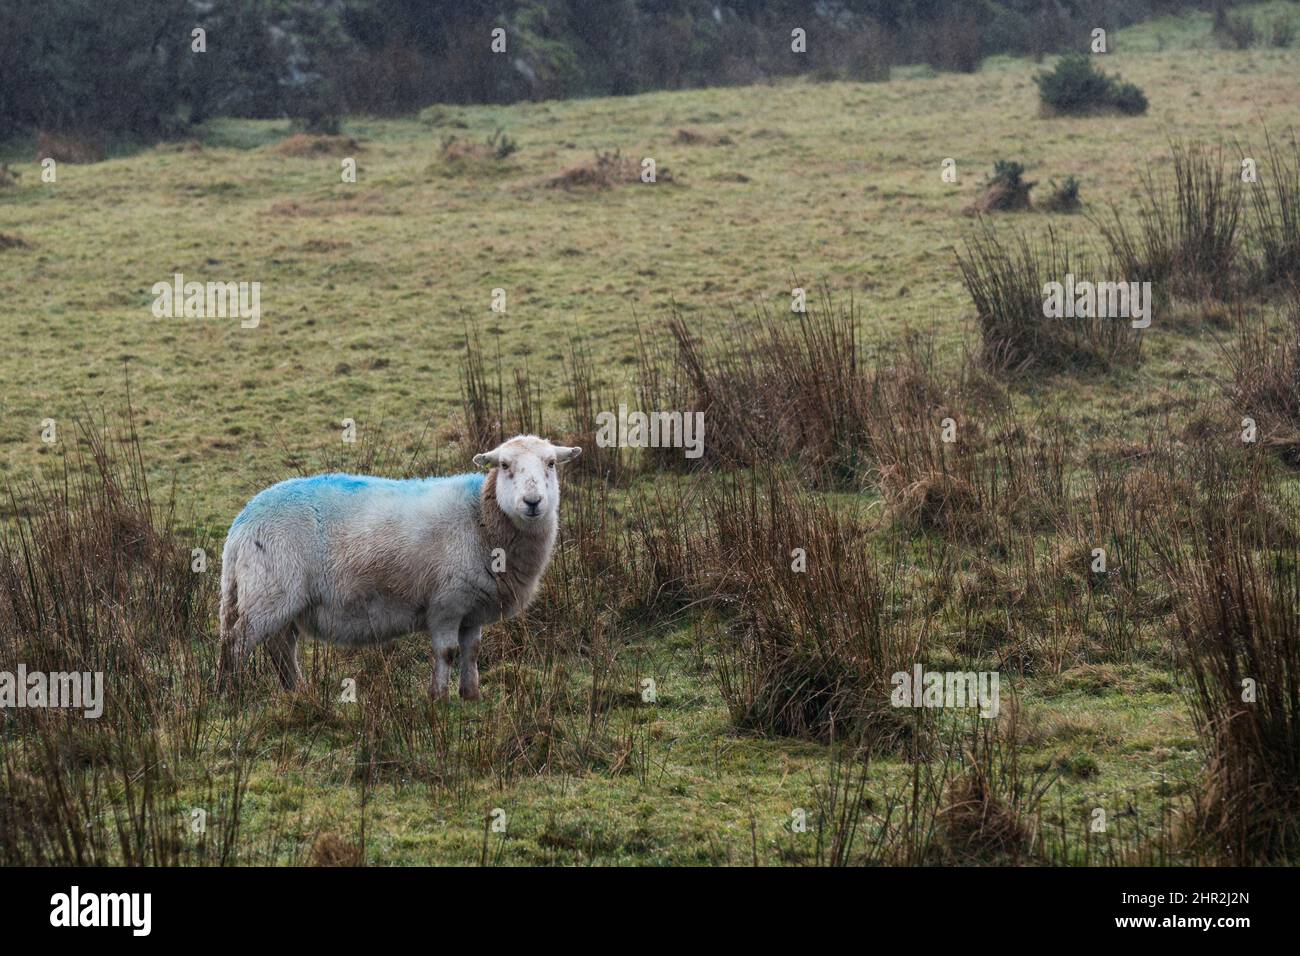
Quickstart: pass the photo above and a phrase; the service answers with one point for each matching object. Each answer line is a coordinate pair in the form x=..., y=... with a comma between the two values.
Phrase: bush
x=502, y=146
x=1063, y=197
x=1075, y=87
x=102, y=67
x=317, y=113
x=955, y=43
x=863, y=54
x=1128, y=99
x=1236, y=31
x=1283, y=32
x=1005, y=190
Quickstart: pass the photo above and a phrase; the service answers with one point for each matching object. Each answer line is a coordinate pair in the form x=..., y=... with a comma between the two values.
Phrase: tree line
x=151, y=68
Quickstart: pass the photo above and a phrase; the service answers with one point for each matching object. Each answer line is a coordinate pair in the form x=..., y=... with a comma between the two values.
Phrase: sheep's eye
x=505, y=465
x=551, y=463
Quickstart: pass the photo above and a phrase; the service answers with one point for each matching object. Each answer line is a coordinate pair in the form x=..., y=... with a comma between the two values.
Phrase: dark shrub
x=1076, y=87
x=1128, y=99
x=1283, y=32
x=955, y=43
x=1235, y=31
x=91, y=67
x=1005, y=190
x=1063, y=197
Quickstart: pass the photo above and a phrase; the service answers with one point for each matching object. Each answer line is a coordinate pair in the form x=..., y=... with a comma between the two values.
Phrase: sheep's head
x=527, y=488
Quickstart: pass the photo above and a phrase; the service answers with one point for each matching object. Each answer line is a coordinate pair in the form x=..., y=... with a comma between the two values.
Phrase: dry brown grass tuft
x=692, y=137
x=1006, y=278
x=69, y=148
x=464, y=150
x=1000, y=197
x=605, y=171
x=992, y=809
x=979, y=823
x=304, y=145
x=934, y=501
x=330, y=849
x=1265, y=384
x=190, y=145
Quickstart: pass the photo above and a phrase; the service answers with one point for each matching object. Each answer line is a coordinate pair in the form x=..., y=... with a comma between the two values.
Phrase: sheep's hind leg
x=252, y=629
x=470, y=638
x=444, y=639
x=283, y=651
x=230, y=666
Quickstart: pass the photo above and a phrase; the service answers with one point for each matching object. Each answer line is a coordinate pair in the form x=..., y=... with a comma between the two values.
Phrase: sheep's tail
x=229, y=610
x=229, y=593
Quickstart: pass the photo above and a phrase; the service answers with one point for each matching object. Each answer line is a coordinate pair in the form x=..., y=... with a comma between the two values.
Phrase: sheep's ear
x=487, y=459
x=567, y=454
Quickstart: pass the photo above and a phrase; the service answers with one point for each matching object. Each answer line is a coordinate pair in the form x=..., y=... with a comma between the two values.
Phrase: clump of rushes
x=1005, y=279
x=1275, y=203
x=1186, y=237
x=812, y=627
x=1265, y=383
x=1237, y=636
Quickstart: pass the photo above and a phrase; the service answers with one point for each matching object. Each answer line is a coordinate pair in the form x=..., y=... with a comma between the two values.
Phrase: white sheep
x=356, y=560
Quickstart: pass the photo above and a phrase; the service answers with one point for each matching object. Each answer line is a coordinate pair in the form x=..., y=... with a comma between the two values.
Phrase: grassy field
x=368, y=290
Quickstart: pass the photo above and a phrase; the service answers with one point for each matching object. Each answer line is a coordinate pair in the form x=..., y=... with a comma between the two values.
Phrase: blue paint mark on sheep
x=322, y=492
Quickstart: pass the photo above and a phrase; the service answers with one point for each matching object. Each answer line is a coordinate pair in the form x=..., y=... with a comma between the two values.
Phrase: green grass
x=834, y=183
x=704, y=795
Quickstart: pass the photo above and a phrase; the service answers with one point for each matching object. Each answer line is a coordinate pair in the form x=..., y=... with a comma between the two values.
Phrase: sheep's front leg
x=444, y=638
x=470, y=638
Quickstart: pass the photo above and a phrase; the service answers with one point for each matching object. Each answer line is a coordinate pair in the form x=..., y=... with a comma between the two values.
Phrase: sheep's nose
x=532, y=502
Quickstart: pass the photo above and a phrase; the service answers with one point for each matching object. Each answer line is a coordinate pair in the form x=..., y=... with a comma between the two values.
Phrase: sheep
x=357, y=560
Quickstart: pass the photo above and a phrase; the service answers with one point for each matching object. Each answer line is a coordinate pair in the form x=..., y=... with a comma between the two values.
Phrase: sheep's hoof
x=470, y=693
